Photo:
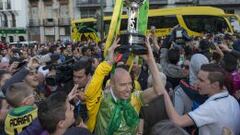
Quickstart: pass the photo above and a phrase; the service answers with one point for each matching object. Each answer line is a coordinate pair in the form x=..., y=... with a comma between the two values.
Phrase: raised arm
x=151, y=93
x=102, y=70
x=93, y=93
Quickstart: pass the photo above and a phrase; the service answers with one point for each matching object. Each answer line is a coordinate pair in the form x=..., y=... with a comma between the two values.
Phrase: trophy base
x=132, y=42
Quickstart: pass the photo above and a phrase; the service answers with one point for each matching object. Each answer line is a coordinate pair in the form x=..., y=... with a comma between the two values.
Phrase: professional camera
x=133, y=43
x=63, y=73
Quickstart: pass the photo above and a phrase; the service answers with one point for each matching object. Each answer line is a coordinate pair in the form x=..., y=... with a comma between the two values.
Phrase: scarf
x=129, y=115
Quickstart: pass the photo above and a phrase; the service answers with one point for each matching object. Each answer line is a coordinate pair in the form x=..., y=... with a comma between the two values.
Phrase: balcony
x=64, y=21
x=48, y=22
x=34, y=22
x=89, y=3
x=219, y=2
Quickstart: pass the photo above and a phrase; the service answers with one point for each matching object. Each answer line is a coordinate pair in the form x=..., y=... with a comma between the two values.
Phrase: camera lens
x=51, y=81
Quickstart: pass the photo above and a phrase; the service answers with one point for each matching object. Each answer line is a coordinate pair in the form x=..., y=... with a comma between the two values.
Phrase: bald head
x=120, y=73
x=121, y=83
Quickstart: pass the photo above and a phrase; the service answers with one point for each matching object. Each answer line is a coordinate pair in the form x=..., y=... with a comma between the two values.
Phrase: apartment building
x=49, y=20
x=13, y=20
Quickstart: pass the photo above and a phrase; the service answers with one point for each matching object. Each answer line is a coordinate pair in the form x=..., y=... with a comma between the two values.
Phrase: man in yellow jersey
x=115, y=111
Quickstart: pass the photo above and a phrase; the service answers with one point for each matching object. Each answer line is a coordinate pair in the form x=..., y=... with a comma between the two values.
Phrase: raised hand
x=73, y=94
x=112, y=49
x=149, y=55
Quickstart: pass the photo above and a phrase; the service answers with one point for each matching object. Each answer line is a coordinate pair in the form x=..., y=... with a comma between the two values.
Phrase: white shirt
x=235, y=25
x=5, y=59
x=220, y=110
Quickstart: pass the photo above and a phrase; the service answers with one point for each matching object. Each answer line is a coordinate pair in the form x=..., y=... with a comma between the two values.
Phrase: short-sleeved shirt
x=19, y=118
x=220, y=110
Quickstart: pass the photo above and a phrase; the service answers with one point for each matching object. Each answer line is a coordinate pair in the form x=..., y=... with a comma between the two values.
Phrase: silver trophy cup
x=132, y=41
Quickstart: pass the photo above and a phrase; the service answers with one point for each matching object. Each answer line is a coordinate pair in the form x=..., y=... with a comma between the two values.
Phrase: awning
x=13, y=31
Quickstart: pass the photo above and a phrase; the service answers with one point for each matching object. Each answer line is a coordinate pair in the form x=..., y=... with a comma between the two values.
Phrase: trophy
x=132, y=41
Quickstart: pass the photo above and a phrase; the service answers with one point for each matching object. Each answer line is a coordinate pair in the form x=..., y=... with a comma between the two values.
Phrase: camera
x=63, y=72
x=133, y=43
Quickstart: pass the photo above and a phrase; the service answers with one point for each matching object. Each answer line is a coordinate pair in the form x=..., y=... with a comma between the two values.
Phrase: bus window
x=124, y=24
x=205, y=23
x=162, y=21
x=106, y=25
x=86, y=27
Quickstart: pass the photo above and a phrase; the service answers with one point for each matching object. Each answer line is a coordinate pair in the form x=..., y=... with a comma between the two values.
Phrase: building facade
x=13, y=20
x=49, y=20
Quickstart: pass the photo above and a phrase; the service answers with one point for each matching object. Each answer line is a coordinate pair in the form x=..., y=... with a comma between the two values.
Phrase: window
x=3, y=39
x=8, y=4
x=64, y=11
x=229, y=11
x=5, y=20
x=11, y=39
x=1, y=5
x=205, y=23
x=49, y=12
x=21, y=38
x=162, y=21
x=88, y=12
x=13, y=19
x=34, y=12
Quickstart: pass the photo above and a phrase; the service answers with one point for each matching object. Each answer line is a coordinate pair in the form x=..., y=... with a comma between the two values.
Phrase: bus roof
x=191, y=10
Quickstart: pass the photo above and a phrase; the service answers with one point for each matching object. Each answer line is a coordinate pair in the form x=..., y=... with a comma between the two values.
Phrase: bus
x=196, y=20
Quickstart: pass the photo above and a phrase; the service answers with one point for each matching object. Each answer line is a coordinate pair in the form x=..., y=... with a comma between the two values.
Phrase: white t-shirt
x=5, y=60
x=235, y=25
x=220, y=110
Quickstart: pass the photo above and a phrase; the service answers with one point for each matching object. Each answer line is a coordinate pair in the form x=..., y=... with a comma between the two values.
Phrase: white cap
x=44, y=72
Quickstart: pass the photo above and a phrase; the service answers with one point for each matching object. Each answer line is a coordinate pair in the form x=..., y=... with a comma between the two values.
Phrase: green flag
x=143, y=14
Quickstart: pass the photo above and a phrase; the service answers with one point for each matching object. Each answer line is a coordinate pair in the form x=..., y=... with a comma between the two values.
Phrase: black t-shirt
x=153, y=113
x=77, y=131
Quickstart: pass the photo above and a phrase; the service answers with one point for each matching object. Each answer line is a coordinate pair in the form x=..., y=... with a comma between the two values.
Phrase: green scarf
x=129, y=114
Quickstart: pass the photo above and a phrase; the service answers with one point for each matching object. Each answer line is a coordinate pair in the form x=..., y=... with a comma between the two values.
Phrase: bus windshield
x=205, y=23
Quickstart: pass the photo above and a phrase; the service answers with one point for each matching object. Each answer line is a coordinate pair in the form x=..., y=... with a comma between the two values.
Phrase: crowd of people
x=181, y=86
